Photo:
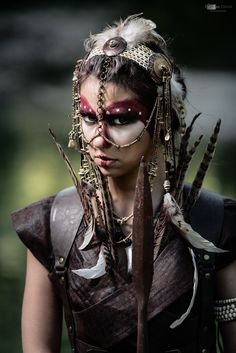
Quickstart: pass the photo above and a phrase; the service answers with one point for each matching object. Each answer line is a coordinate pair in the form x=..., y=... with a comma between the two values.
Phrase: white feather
x=176, y=87
x=176, y=217
x=195, y=284
x=88, y=235
x=94, y=272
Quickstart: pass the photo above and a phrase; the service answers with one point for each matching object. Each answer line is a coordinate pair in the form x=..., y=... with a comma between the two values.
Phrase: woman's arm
x=226, y=288
x=41, y=311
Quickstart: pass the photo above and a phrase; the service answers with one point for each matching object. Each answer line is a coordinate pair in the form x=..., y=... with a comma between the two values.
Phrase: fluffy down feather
x=134, y=29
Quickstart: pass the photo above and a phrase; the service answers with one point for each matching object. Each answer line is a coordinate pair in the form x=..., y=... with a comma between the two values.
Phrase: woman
x=129, y=123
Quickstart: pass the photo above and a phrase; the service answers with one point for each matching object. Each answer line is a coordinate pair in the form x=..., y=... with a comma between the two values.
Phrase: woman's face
x=123, y=121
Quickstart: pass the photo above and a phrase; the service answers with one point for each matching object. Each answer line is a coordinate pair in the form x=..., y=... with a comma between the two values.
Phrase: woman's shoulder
x=33, y=223
x=213, y=216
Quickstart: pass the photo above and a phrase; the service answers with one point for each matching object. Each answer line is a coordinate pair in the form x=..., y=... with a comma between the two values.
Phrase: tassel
x=176, y=217
x=94, y=272
x=195, y=284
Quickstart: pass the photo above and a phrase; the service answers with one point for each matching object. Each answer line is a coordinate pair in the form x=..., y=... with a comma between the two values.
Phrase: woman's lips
x=103, y=161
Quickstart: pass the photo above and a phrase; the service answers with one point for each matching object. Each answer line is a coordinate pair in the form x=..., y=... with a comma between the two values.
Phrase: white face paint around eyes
x=119, y=134
x=118, y=101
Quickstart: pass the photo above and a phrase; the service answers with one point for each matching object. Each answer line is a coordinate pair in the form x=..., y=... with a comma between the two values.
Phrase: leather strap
x=66, y=216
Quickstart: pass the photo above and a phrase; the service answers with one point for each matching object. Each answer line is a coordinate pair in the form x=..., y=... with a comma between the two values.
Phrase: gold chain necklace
x=126, y=239
x=122, y=220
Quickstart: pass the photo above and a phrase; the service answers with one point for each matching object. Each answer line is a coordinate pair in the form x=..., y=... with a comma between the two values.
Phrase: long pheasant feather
x=72, y=173
x=198, y=180
x=184, y=168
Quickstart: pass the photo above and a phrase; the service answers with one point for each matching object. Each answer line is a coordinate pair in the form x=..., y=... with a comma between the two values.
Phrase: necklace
x=127, y=239
x=122, y=220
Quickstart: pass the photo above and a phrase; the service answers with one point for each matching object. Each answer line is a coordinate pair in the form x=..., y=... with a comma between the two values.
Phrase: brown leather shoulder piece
x=66, y=215
x=32, y=224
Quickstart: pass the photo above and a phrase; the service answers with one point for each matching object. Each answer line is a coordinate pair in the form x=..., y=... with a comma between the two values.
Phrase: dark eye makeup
x=112, y=119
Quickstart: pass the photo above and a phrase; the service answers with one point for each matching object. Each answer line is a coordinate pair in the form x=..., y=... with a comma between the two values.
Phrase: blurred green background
x=39, y=45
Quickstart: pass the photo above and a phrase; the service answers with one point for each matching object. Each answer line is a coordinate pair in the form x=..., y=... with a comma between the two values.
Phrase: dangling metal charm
x=167, y=136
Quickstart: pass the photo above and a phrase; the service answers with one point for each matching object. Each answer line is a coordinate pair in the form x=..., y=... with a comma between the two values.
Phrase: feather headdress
x=134, y=29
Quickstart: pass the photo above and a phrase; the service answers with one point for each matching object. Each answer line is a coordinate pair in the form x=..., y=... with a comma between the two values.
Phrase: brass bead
x=72, y=144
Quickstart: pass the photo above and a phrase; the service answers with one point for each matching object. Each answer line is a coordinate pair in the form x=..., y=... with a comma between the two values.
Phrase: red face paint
x=131, y=107
x=85, y=107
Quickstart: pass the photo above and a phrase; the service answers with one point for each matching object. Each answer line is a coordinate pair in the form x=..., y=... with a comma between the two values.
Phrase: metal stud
x=61, y=260
x=207, y=275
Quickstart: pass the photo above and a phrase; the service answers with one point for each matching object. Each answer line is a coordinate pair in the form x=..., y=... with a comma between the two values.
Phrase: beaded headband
x=155, y=63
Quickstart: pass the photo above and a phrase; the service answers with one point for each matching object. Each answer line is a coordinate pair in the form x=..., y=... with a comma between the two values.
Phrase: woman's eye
x=89, y=119
x=121, y=120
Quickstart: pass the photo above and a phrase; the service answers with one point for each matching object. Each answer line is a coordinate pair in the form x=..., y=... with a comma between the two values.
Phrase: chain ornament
x=101, y=90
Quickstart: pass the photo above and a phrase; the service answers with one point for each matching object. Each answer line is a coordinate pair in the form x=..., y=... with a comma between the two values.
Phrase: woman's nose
x=101, y=134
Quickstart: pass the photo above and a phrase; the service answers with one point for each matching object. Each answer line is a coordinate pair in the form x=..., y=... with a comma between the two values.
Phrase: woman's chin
x=109, y=172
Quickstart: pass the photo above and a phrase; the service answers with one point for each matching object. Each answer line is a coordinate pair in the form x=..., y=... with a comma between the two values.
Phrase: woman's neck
x=122, y=191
